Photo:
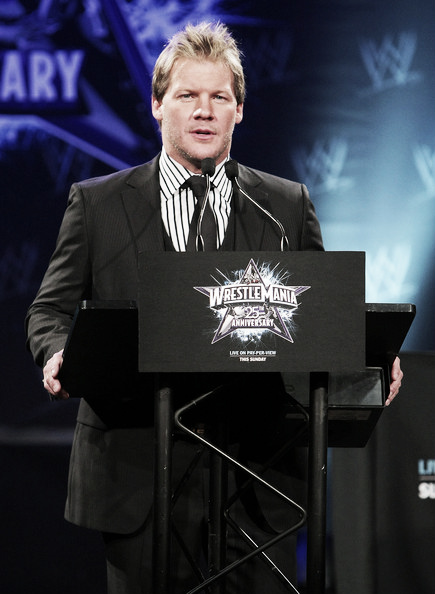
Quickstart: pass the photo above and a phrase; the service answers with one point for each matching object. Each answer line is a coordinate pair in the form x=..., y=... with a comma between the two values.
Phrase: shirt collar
x=173, y=175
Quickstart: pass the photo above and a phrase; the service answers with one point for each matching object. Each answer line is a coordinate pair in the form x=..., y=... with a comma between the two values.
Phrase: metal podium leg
x=256, y=549
x=163, y=422
x=317, y=474
x=217, y=525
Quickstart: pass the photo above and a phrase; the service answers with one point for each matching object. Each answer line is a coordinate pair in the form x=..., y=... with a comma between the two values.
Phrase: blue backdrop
x=340, y=96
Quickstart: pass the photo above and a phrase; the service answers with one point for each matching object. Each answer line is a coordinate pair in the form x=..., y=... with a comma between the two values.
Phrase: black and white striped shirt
x=178, y=204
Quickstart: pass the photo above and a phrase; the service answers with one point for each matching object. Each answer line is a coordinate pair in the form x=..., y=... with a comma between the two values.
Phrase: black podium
x=213, y=312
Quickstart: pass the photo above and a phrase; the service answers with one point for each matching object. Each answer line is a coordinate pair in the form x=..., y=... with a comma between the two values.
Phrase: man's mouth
x=202, y=132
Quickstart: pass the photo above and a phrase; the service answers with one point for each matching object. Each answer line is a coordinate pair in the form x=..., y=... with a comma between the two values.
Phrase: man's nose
x=203, y=110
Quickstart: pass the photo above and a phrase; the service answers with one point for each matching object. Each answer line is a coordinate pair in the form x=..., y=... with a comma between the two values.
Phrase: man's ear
x=239, y=113
x=157, y=109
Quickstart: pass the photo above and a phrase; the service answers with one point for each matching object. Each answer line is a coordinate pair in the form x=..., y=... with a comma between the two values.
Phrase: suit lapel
x=142, y=205
x=249, y=224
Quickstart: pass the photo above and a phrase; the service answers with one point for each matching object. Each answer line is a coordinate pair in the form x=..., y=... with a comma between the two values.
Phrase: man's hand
x=50, y=381
x=396, y=381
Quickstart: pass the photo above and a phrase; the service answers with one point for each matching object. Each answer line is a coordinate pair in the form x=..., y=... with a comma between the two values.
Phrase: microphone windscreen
x=232, y=169
x=208, y=166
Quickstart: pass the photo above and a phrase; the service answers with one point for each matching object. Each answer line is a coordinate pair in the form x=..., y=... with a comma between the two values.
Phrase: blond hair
x=206, y=41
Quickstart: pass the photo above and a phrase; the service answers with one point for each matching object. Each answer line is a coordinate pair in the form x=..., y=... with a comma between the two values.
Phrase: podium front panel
x=251, y=311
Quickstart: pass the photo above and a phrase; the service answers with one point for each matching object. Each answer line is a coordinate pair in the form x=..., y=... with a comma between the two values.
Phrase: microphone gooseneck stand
x=232, y=171
x=208, y=167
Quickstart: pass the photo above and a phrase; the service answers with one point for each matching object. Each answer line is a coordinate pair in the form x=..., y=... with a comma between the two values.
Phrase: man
x=198, y=98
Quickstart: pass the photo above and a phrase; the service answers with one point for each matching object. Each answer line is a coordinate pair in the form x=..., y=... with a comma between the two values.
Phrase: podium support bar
x=317, y=483
x=162, y=488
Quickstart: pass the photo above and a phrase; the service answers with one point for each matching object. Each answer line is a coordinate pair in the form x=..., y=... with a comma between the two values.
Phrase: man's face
x=198, y=112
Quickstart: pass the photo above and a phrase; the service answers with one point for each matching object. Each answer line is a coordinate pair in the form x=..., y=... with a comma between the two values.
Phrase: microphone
x=208, y=167
x=232, y=171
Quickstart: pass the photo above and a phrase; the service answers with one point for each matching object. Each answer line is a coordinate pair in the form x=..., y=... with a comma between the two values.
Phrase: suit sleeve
x=66, y=282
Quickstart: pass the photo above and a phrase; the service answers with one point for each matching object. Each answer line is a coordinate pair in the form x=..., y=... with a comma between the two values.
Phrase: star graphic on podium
x=254, y=303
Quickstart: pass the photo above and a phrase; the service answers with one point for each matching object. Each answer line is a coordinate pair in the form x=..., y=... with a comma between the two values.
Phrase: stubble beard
x=192, y=159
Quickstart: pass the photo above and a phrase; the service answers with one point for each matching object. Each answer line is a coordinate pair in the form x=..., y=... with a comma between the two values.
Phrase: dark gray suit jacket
x=108, y=222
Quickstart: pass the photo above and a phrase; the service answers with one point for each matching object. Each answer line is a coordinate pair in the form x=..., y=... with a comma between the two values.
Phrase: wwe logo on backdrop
x=9, y=134
x=150, y=30
x=267, y=58
x=64, y=162
x=16, y=267
x=386, y=271
x=424, y=159
x=322, y=167
x=389, y=64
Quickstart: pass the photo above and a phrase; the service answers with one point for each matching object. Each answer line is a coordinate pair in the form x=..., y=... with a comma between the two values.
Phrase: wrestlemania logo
x=254, y=302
